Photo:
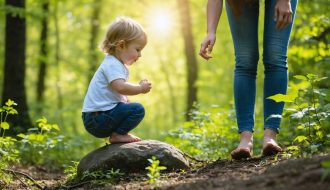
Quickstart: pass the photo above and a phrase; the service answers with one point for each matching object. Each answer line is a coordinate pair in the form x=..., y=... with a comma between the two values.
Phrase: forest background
x=61, y=56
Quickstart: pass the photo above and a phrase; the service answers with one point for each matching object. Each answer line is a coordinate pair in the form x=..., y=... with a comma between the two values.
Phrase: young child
x=106, y=111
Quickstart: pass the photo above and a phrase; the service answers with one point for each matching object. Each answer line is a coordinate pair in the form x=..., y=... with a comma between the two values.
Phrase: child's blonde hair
x=122, y=29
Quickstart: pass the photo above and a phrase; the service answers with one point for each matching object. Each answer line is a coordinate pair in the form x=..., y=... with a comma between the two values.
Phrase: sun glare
x=161, y=21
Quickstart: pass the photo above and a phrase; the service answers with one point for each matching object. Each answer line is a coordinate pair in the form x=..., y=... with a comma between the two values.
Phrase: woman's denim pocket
x=98, y=125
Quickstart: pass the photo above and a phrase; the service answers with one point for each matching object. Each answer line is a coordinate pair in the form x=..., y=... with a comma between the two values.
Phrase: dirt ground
x=255, y=173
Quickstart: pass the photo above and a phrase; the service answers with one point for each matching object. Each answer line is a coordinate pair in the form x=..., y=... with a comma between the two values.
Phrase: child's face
x=132, y=51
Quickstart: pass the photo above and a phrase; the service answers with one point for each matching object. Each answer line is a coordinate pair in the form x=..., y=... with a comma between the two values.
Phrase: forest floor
x=256, y=173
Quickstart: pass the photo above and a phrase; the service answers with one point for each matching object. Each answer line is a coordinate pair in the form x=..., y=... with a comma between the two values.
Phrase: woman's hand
x=207, y=46
x=283, y=14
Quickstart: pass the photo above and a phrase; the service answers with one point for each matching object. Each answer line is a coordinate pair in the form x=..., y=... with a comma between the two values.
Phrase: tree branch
x=25, y=175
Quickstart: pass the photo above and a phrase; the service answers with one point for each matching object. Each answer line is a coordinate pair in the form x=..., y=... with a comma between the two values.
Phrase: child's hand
x=145, y=86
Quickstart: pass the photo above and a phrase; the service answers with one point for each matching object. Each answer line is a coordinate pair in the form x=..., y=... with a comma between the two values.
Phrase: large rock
x=133, y=157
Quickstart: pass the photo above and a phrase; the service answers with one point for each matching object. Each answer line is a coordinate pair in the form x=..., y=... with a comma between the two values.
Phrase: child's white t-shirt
x=100, y=96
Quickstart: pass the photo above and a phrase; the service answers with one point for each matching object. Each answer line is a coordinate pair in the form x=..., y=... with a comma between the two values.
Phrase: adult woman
x=243, y=19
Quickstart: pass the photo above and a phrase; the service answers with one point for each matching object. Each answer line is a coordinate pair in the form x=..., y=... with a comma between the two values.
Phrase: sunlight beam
x=161, y=21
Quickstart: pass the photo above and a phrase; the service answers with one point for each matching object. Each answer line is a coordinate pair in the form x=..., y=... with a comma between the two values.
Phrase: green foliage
x=31, y=148
x=309, y=114
x=106, y=176
x=283, y=97
x=71, y=171
x=41, y=145
x=97, y=177
x=309, y=44
x=154, y=170
x=8, y=152
x=208, y=136
x=6, y=110
x=14, y=11
x=38, y=141
x=326, y=167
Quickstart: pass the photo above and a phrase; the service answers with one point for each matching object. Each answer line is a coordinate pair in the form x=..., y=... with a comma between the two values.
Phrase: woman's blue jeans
x=244, y=30
x=121, y=119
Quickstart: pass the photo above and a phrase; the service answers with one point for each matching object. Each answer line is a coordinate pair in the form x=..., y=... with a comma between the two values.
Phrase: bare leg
x=270, y=147
x=244, y=149
x=127, y=138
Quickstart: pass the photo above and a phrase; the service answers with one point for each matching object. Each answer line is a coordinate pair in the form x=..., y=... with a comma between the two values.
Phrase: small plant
x=30, y=147
x=6, y=110
x=326, y=167
x=71, y=171
x=39, y=140
x=8, y=151
x=309, y=113
x=107, y=176
x=154, y=170
x=209, y=135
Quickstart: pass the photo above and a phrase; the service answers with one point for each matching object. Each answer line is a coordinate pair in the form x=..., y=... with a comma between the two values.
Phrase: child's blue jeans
x=121, y=119
x=244, y=31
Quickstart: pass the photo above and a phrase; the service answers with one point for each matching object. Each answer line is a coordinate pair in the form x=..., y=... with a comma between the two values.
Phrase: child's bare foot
x=270, y=147
x=127, y=138
x=244, y=149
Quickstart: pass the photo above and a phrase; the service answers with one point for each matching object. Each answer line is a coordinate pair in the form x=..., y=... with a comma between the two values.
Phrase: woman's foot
x=244, y=149
x=270, y=147
x=127, y=138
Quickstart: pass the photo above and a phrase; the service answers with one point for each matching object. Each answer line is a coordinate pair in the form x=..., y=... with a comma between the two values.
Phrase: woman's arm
x=126, y=88
x=214, y=10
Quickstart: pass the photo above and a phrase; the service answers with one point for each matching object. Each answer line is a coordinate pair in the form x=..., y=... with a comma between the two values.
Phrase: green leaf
x=282, y=98
x=312, y=76
x=290, y=110
x=188, y=124
x=10, y=103
x=4, y=125
x=293, y=148
x=13, y=111
x=325, y=174
x=55, y=127
x=300, y=127
x=319, y=134
x=162, y=167
x=21, y=135
x=40, y=138
x=319, y=79
x=31, y=137
x=303, y=105
x=300, y=139
x=325, y=164
x=316, y=91
x=42, y=120
x=301, y=77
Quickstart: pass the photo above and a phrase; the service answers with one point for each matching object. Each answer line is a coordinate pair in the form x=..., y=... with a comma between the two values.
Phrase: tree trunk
x=95, y=25
x=171, y=94
x=14, y=69
x=191, y=61
x=58, y=68
x=43, y=57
